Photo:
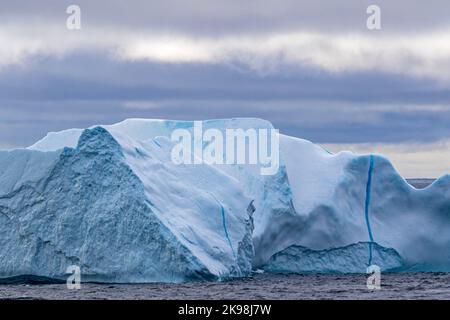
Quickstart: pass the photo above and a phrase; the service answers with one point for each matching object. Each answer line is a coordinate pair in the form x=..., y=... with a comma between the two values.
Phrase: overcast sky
x=310, y=67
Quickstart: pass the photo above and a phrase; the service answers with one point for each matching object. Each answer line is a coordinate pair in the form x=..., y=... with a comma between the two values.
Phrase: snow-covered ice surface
x=110, y=200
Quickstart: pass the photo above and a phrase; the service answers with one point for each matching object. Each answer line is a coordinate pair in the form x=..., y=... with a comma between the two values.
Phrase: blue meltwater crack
x=224, y=225
x=367, y=205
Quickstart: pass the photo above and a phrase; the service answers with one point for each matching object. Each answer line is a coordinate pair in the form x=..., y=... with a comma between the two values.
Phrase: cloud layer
x=310, y=67
x=418, y=55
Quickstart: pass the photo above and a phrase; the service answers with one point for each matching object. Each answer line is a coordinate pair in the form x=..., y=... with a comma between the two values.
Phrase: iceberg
x=342, y=199
x=110, y=200
x=271, y=194
x=122, y=212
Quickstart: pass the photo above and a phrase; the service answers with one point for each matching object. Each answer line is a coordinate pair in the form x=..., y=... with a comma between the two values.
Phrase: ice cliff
x=122, y=212
x=348, y=259
x=110, y=200
x=342, y=199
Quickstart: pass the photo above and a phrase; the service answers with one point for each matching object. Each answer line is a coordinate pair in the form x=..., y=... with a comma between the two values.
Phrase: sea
x=257, y=287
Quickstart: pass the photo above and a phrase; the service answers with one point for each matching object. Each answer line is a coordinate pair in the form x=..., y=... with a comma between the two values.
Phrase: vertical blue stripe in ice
x=367, y=205
x=224, y=223
x=226, y=230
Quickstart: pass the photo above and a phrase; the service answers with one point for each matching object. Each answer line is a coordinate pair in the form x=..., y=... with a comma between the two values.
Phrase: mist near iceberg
x=110, y=200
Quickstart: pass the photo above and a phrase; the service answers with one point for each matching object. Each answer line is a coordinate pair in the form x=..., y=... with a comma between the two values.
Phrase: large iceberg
x=110, y=200
x=121, y=211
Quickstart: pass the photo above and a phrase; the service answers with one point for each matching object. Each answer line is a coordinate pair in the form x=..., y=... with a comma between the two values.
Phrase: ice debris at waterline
x=110, y=200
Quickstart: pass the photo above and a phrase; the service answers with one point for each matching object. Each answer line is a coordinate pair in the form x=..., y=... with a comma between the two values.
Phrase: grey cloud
x=82, y=91
x=233, y=16
x=86, y=86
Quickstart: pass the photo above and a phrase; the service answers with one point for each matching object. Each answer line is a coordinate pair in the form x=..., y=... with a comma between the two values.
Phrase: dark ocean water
x=420, y=183
x=260, y=286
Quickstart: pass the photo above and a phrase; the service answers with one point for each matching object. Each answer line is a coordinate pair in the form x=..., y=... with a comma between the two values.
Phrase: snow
x=110, y=199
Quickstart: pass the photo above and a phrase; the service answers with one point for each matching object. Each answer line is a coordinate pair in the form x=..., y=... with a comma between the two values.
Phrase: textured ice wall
x=86, y=206
x=349, y=259
x=329, y=194
x=271, y=194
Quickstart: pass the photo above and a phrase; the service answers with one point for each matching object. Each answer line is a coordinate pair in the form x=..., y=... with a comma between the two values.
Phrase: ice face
x=353, y=258
x=110, y=200
x=122, y=213
x=271, y=194
x=330, y=197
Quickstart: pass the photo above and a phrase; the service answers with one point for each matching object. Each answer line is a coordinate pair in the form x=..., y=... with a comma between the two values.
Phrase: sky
x=312, y=68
